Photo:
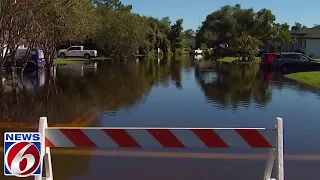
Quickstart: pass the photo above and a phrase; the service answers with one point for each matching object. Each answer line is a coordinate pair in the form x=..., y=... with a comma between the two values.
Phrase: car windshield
x=304, y=57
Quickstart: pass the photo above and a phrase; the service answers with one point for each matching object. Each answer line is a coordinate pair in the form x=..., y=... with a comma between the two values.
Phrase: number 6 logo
x=22, y=159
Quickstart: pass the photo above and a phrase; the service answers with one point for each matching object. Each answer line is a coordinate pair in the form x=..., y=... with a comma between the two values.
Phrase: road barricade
x=146, y=137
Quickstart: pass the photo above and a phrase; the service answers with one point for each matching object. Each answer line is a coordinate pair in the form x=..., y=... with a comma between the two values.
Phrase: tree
x=175, y=36
x=44, y=24
x=297, y=26
x=158, y=34
x=166, y=21
x=14, y=26
x=58, y=21
x=221, y=26
x=225, y=26
x=189, y=33
x=245, y=44
x=280, y=35
x=189, y=36
x=113, y=5
x=264, y=25
x=122, y=33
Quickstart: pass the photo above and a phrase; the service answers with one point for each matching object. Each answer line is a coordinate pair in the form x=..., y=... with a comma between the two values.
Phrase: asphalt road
x=137, y=165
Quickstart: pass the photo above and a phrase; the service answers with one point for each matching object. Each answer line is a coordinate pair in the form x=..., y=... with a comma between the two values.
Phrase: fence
x=197, y=138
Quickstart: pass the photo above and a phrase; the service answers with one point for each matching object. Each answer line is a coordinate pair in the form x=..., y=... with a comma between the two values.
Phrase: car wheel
x=62, y=55
x=87, y=56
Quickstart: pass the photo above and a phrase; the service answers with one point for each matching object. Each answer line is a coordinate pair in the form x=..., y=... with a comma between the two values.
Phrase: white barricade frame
x=275, y=153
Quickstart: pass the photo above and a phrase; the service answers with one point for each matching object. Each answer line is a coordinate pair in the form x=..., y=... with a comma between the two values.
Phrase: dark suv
x=294, y=61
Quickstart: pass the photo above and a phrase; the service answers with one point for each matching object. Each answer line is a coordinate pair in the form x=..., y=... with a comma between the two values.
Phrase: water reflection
x=78, y=69
x=175, y=92
x=226, y=86
x=76, y=89
x=110, y=86
x=22, y=95
x=30, y=81
x=169, y=92
x=198, y=57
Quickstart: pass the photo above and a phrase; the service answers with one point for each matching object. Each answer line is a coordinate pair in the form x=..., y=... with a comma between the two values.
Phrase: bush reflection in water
x=64, y=96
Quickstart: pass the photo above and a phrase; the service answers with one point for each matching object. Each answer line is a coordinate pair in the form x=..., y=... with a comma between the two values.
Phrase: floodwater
x=172, y=93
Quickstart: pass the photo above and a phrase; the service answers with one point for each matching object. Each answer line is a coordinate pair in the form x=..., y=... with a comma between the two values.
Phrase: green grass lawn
x=76, y=60
x=311, y=78
x=233, y=59
x=66, y=61
x=227, y=59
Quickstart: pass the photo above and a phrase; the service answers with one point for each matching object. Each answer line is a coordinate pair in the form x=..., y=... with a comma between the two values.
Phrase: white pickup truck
x=77, y=51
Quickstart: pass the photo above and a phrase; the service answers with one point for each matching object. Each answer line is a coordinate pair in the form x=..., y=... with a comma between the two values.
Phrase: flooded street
x=117, y=167
x=170, y=94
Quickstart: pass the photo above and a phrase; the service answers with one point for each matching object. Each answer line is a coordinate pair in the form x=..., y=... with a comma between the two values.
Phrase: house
x=307, y=41
x=23, y=43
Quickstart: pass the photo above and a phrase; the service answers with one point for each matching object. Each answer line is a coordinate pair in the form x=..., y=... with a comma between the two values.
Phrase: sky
x=194, y=12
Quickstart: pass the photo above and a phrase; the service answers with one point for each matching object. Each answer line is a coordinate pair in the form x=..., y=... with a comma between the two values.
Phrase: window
x=288, y=56
x=296, y=56
x=304, y=57
x=278, y=56
x=291, y=56
x=74, y=49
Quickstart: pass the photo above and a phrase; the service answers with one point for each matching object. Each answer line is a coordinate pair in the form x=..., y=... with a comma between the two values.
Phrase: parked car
x=294, y=61
x=77, y=51
x=261, y=52
x=267, y=58
x=35, y=58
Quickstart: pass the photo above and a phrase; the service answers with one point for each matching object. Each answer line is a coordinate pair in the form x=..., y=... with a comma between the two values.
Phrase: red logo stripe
x=78, y=138
x=210, y=138
x=121, y=137
x=48, y=143
x=253, y=138
x=166, y=138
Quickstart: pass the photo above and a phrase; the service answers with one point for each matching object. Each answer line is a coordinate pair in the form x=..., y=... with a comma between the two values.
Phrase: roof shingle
x=308, y=33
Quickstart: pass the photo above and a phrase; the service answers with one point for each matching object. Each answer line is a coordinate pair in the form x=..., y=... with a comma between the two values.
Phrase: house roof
x=311, y=36
x=308, y=33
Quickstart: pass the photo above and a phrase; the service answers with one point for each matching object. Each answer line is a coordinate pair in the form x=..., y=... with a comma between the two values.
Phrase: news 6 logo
x=22, y=153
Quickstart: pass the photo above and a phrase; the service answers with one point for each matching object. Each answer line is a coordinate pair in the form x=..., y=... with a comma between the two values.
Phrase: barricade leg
x=48, y=164
x=276, y=154
x=45, y=152
x=270, y=162
x=280, y=163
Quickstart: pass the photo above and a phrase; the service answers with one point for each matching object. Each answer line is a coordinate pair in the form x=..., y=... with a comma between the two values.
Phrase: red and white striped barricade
x=132, y=137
